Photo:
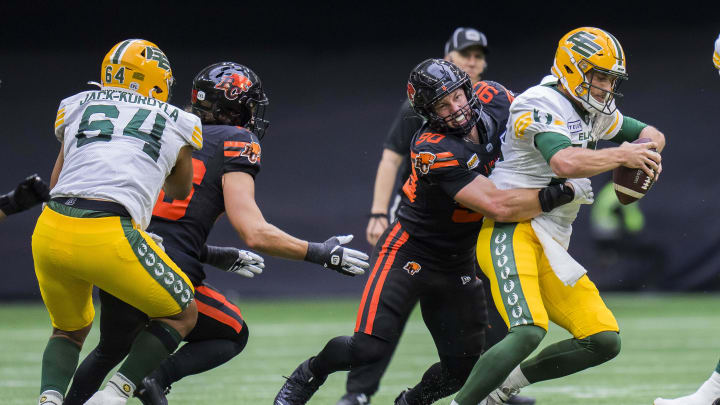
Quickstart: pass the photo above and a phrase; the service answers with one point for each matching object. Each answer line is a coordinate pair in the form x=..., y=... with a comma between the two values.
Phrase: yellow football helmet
x=138, y=65
x=716, y=54
x=580, y=54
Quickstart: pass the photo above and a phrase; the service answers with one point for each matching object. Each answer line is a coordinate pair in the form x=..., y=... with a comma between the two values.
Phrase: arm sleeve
x=629, y=131
x=241, y=151
x=549, y=143
x=405, y=125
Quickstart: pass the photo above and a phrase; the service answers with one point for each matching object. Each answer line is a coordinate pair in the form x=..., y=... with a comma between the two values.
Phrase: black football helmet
x=434, y=79
x=231, y=94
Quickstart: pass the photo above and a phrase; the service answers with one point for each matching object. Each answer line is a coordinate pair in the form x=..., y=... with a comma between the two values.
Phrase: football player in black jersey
x=427, y=254
x=229, y=99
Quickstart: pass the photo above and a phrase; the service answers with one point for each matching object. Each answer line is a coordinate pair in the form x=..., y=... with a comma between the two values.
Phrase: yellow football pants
x=74, y=249
x=525, y=289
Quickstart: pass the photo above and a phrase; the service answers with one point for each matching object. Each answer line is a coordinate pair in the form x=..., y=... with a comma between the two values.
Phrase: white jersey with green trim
x=120, y=146
x=543, y=108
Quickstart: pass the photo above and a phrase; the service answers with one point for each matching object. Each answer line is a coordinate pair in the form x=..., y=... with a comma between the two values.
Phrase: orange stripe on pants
x=381, y=281
x=219, y=315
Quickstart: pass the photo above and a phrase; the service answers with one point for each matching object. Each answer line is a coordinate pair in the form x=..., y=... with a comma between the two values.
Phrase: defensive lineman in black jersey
x=427, y=255
x=230, y=100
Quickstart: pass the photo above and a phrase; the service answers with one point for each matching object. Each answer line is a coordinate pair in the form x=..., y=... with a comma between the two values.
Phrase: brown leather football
x=631, y=184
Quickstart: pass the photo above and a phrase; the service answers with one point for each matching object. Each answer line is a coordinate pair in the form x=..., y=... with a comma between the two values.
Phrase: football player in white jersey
x=709, y=392
x=551, y=135
x=119, y=146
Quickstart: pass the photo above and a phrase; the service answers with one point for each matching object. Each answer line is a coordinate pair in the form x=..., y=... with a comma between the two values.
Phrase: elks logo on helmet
x=411, y=92
x=423, y=161
x=251, y=152
x=234, y=84
x=412, y=268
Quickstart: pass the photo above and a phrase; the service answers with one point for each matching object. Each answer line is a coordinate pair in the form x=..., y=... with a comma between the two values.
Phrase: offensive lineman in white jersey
x=119, y=146
x=709, y=392
x=551, y=135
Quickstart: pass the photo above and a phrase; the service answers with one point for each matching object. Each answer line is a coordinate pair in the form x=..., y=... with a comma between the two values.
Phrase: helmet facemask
x=468, y=111
x=584, y=90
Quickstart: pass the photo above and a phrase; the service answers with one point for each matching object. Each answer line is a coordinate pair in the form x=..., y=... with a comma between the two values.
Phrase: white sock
x=711, y=387
x=120, y=385
x=50, y=397
x=516, y=379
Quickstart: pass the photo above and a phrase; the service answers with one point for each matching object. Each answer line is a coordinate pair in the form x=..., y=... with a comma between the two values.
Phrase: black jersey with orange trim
x=186, y=224
x=440, y=166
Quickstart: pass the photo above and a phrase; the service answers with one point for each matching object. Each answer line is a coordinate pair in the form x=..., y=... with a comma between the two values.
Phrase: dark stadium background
x=335, y=74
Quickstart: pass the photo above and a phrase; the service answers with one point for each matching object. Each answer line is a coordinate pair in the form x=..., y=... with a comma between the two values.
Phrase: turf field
x=670, y=346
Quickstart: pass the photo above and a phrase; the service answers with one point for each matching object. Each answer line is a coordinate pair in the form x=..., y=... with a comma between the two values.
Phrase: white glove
x=248, y=264
x=583, y=190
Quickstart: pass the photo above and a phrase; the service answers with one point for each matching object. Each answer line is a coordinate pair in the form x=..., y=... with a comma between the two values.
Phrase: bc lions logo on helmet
x=412, y=268
x=234, y=84
x=251, y=152
x=411, y=93
x=423, y=161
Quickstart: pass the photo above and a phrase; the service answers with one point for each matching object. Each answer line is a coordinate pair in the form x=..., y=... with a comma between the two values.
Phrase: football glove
x=583, y=190
x=554, y=196
x=28, y=193
x=233, y=260
x=332, y=255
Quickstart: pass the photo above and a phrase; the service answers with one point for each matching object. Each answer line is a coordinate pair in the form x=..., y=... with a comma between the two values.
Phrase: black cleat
x=354, y=398
x=151, y=393
x=400, y=400
x=520, y=400
x=716, y=402
x=299, y=387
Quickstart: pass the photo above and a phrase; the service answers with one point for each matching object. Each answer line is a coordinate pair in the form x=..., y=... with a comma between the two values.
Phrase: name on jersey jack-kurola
x=124, y=96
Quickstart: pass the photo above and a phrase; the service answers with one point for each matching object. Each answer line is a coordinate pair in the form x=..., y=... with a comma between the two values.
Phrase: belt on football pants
x=109, y=207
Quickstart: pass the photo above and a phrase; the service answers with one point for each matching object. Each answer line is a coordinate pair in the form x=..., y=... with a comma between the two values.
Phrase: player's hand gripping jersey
x=543, y=108
x=185, y=224
x=441, y=165
x=120, y=146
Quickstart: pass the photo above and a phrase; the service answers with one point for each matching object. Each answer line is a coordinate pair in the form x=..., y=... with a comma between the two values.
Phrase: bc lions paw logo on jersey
x=251, y=152
x=234, y=84
x=423, y=161
x=412, y=268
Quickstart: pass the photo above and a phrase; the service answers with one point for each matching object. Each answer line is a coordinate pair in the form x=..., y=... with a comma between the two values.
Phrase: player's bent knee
x=527, y=337
x=75, y=336
x=606, y=345
x=241, y=338
x=368, y=349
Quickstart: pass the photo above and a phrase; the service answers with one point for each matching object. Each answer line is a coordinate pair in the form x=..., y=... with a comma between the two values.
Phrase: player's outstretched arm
x=27, y=194
x=258, y=234
x=384, y=182
x=233, y=260
x=178, y=183
x=581, y=162
x=513, y=205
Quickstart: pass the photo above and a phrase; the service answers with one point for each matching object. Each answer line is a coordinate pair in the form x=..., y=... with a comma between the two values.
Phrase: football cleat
x=299, y=387
x=520, y=400
x=400, y=400
x=354, y=398
x=151, y=393
x=50, y=397
x=106, y=397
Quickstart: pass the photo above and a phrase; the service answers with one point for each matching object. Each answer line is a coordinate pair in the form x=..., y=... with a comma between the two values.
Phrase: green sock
x=570, y=356
x=497, y=363
x=58, y=364
x=151, y=346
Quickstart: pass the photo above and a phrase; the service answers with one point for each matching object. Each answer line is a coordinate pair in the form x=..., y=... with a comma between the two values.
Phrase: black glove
x=332, y=255
x=554, y=196
x=28, y=193
x=234, y=260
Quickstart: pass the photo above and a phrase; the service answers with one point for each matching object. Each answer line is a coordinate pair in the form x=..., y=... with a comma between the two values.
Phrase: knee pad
x=527, y=337
x=368, y=349
x=605, y=344
x=241, y=338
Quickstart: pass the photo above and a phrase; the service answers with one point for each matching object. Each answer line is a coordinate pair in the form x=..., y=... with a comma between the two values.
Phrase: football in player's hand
x=631, y=184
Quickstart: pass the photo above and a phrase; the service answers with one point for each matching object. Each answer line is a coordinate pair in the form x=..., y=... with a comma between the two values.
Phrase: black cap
x=464, y=37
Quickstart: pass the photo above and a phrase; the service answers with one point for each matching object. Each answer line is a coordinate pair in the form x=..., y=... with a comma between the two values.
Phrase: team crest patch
x=412, y=268
x=411, y=93
x=423, y=161
x=252, y=152
x=473, y=162
x=234, y=84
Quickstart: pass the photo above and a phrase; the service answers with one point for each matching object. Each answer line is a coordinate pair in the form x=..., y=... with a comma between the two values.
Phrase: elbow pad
x=554, y=196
